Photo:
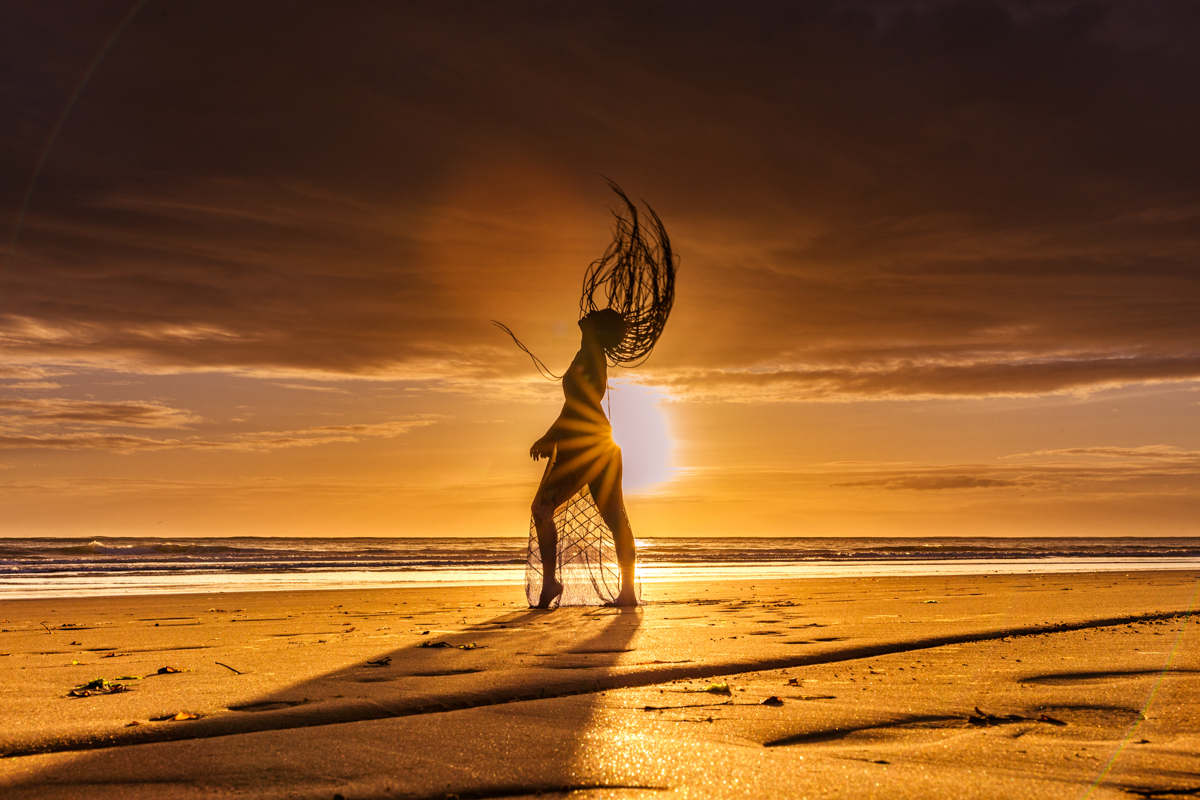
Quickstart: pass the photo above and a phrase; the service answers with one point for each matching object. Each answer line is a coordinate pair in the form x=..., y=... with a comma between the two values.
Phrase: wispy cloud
x=1151, y=470
x=245, y=442
x=60, y=411
x=309, y=387
x=933, y=482
x=257, y=488
x=30, y=371
x=958, y=376
x=1157, y=452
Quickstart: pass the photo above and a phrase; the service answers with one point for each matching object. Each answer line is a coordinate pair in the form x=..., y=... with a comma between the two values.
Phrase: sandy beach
x=1073, y=686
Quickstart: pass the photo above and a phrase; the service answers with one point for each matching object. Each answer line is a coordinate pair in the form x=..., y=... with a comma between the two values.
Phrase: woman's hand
x=542, y=448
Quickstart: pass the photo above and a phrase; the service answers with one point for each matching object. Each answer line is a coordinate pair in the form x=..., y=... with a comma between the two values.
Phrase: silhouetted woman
x=579, y=509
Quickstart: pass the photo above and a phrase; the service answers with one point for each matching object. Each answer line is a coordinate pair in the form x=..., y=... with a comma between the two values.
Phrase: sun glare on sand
x=640, y=429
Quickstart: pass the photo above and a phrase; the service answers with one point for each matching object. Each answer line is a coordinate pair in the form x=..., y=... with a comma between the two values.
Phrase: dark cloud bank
x=893, y=199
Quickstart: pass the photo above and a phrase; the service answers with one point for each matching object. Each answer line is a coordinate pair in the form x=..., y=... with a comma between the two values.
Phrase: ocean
x=46, y=567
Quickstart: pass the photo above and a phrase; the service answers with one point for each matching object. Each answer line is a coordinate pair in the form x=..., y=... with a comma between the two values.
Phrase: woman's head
x=606, y=325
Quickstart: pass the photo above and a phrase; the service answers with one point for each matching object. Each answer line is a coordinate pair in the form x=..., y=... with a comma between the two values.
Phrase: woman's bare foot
x=627, y=597
x=550, y=593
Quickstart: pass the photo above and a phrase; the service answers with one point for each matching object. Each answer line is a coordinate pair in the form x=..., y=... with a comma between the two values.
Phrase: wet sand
x=963, y=686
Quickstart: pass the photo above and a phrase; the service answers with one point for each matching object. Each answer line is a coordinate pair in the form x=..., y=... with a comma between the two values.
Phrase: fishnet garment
x=587, y=557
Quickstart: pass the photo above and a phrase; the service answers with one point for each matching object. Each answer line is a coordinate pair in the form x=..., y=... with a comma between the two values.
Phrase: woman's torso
x=584, y=384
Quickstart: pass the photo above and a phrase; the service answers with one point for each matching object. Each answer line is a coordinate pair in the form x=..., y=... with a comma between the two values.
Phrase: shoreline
x=654, y=573
x=282, y=683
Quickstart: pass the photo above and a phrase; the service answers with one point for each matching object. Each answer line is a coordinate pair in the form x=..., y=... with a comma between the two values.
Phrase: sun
x=640, y=429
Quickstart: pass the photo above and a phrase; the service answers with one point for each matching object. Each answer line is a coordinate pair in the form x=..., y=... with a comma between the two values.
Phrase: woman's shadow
x=515, y=658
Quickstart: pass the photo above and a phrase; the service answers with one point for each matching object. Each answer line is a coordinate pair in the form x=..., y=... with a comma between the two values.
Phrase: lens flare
x=640, y=428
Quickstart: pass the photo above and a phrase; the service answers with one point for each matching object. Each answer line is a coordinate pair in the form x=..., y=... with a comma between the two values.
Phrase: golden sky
x=939, y=263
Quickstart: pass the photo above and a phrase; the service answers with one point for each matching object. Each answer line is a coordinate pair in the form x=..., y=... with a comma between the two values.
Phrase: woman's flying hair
x=637, y=279
x=636, y=276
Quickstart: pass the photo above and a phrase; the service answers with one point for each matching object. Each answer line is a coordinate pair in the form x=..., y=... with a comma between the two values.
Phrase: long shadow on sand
x=515, y=657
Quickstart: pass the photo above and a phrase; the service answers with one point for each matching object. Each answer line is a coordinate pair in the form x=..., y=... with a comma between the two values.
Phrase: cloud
x=1153, y=469
x=27, y=371
x=260, y=489
x=1156, y=452
x=126, y=413
x=932, y=482
x=913, y=199
x=97, y=441
x=245, y=442
x=910, y=379
x=311, y=388
x=350, y=432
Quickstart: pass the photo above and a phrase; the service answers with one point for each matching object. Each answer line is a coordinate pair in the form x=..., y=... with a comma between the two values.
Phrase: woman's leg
x=556, y=489
x=606, y=491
